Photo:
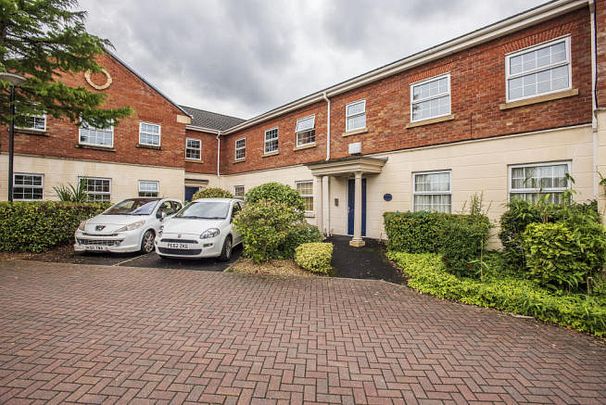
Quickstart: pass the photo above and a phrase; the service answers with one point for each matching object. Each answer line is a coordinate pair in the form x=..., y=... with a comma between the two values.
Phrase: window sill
x=239, y=161
x=143, y=146
x=310, y=214
x=101, y=148
x=26, y=131
x=430, y=121
x=270, y=154
x=356, y=132
x=194, y=160
x=539, y=99
x=303, y=147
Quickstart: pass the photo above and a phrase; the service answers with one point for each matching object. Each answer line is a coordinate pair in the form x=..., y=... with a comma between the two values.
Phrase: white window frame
x=109, y=193
x=141, y=123
x=236, y=191
x=239, y=148
x=313, y=129
x=96, y=145
x=28, y=186
x=265, y=141
x=347, y=129
x=307, y=195
x=43, y=116
x=199, y=148
x=518, y=52
x=415, y=193
x=426, y=81
x=511, y=191
x=139, y=191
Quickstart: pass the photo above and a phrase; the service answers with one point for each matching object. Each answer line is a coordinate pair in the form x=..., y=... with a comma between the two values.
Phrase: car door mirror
x=161, y=215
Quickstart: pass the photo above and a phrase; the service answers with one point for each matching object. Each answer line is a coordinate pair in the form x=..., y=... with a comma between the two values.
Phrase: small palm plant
x=71, y=193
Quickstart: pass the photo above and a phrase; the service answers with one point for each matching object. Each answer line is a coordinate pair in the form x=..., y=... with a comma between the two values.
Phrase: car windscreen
x=133, y=206
x=205, y=210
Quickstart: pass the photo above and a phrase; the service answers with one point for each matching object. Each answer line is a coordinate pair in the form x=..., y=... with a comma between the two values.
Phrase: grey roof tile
x=211, y=120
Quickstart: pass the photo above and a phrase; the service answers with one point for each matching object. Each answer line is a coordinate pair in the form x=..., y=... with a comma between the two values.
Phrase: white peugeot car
x=129, y=226
x=204, y=228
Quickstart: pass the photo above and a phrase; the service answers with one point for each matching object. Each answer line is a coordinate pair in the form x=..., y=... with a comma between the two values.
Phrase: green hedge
x=38, y=226
x=427, y=274
x=277, y=192
x=315, y=257
x=459, y=238
x=212, y=192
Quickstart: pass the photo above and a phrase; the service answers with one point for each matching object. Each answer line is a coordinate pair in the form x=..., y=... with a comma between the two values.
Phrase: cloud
x=245, y=57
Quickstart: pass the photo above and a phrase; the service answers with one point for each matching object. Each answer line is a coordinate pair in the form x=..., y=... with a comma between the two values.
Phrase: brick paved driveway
x=93, y=334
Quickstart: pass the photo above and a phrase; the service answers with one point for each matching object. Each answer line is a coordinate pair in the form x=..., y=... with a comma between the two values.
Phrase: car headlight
x=210, y=233
x=82, y=226
x=131, y=227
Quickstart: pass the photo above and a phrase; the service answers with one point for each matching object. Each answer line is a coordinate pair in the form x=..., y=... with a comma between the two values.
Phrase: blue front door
x=189, y=192
x=351, y=197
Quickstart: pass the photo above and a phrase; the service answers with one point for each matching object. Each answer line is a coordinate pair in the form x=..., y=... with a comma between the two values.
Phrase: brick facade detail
x=208, y=163
x=601, y=51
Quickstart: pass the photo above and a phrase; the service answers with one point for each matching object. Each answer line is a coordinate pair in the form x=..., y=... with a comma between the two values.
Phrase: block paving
x=93, y=334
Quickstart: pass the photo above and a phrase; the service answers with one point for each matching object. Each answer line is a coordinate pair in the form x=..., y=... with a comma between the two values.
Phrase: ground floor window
x=530, y=182
x=432, y=192
x=306, y=189
x=28, y=186
x=239, y=191
x=97, y=188
x=149, y=188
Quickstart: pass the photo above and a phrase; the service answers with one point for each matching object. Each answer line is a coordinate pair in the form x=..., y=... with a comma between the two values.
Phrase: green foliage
x=315, y=257
x=300, y=233
x=71, y=193
x=39, y=40
x=212, y=192
x=564, y=254
x=520, y=213
x=427, y=274
x=266, y=228
x=459, y=238
x=276, y=192
x=38, y=226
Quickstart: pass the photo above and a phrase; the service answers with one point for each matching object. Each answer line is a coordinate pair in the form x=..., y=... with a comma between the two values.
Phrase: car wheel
x=147, y=244
x=226, y=251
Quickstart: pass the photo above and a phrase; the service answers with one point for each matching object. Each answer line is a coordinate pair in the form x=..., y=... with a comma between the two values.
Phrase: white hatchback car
x=204, y=228
x=129, y=226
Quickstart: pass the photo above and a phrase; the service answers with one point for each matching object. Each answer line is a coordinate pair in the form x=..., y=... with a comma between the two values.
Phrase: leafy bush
x=266, y=227
x=38, y=226
x=276, y=192
x=212, y=192
x=315, y=257
x=460, y=238
x=298, y=234
x=427, y=274
x=560, y=255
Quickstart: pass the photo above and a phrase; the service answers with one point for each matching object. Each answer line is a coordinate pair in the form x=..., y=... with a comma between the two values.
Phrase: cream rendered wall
x=124, y=177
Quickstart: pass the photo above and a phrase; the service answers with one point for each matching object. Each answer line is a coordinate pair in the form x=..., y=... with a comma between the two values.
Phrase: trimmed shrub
x=212, y=192
x=266, y=227
x=315, y=257
x=276, y=192
x=413, y=232
x=39, y=226
x=427, y=274
x=562, y=254
x=462, y=241
x=298, y=234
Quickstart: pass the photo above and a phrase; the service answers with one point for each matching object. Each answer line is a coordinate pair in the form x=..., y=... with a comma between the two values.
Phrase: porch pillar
x=357, y=240
x=319, y=200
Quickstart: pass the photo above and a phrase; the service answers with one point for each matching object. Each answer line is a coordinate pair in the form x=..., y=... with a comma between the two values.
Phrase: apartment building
x=512, y=110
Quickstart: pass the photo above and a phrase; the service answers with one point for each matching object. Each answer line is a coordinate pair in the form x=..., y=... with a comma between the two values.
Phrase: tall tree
x=42, y=40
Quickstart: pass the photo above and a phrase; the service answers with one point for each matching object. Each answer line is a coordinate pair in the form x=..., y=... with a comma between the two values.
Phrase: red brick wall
x=601, y=45
x=478, y=88
x=208, y=164
x=61, y=139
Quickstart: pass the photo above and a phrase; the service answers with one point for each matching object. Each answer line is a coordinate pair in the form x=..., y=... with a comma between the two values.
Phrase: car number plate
x=95, y=247
x=178, y=245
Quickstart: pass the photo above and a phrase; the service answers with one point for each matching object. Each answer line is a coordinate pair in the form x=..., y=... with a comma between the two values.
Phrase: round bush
x=276, y=192
x=315, y=257
x=212, y=192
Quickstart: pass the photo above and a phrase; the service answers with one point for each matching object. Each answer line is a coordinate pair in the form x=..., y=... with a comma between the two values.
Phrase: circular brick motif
x=89, y=80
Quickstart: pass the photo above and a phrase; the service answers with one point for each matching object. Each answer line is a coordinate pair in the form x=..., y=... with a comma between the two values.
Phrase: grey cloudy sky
x=242, y=57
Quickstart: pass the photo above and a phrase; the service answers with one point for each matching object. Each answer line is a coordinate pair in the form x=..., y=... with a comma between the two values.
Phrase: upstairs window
x=305, y=131
x=355, y=116
x=193, y=149
x=149, y=188
x=542, y=69
x=239, y=191
x=34, y=123
x=271, y=140
x=432, y=192
x=92, y=136
x=430, y=98
x=97, y=189
x=531, y=182
x=28, y=186
x=240, y=149
x=149, y=134
x=306, y=189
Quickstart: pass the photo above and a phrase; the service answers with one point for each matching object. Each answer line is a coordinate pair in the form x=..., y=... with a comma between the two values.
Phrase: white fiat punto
x=128, y=226
x=204, y=228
